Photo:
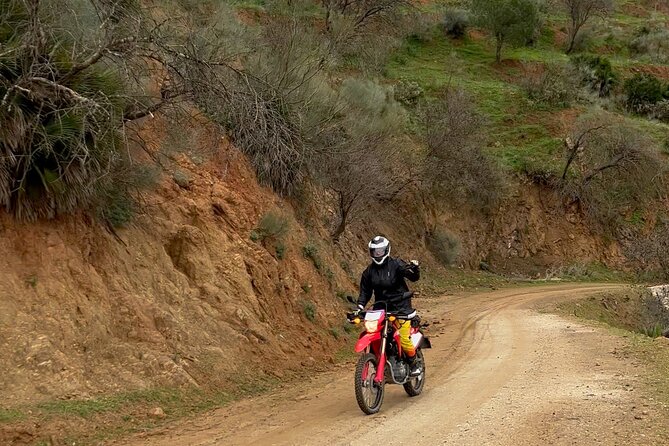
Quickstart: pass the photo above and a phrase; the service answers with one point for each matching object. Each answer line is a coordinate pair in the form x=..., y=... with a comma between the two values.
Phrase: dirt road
x=501, y=373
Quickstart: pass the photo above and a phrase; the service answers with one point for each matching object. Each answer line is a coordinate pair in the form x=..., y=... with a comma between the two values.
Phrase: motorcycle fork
x=381, y=365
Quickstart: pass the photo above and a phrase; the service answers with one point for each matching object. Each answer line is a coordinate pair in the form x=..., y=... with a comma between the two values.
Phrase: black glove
x=413, y=266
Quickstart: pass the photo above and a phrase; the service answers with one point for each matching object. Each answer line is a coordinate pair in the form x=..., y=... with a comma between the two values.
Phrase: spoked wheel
x=368, y=394
x=414, y=386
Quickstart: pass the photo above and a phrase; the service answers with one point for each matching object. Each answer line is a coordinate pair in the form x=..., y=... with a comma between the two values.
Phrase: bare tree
x=599, y=146
x=613, y=167
x=580, y=11
x=357, y=154
x=363, y=175
x=361, y=12
x=576, y=145
x=455, y=166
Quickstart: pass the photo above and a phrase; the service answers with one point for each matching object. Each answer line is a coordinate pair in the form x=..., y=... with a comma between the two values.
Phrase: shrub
x=363, y=144
x=455, y=23
x=408, y=92
x=595, y=72
x=57, y=148
x=553, y=87
x=655, y=317
x=443, y=245
x=350, y=328
x=309, y=310
x=643, y=91
x=310, y=251
x=652, y=42
x=334, y=331
x=648, y=249
x=660, y=111
x=271, y=226
x=455, y=167
x=118, y=208
x=280, y=250
x=344, y=265
x=267, y=107
x=115, y=202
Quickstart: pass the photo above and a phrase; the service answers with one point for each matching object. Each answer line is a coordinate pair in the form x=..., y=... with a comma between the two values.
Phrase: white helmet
x=379, y=249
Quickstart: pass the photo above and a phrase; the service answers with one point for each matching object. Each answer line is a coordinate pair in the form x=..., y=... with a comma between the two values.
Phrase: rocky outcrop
x=661, y=292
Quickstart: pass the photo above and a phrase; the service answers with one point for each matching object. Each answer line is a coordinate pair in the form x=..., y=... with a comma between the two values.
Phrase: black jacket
x=387, y=281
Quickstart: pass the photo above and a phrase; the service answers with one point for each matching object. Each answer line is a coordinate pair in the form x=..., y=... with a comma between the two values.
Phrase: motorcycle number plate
x=416, y=338
x=374, y=315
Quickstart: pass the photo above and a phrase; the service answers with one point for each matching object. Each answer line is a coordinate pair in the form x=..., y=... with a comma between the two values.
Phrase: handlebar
x=385, y=302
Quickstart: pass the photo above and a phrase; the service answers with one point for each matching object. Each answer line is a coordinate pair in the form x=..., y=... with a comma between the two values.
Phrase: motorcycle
x=383, y=360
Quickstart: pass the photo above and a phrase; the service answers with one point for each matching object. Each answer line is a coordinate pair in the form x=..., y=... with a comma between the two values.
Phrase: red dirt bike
x=383, y=360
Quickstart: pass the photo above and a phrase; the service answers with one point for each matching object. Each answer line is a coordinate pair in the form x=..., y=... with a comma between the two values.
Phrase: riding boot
x=414, y=365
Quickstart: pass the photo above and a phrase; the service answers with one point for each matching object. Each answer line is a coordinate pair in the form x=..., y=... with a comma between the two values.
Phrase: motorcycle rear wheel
x=414, y=386
x=368, y=394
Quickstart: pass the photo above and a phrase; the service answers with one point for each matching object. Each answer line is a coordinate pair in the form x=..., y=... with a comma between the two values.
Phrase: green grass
x=80, y=408
x=439, y=281
x=175, y=402
x=529, y=148
x=309, y=310
x=520, y=139
x=11, y=415
x=439, y=63
x=127, y=412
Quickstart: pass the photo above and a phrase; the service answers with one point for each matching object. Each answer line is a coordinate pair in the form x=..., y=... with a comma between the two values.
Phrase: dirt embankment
x=182, y=296
x=529, y=234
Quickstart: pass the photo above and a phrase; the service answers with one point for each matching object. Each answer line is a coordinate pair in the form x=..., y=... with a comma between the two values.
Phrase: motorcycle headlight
x=371, y=326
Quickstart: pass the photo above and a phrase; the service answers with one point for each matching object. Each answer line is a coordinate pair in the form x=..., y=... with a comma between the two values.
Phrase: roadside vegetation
x=634, y=309
x=366, y=101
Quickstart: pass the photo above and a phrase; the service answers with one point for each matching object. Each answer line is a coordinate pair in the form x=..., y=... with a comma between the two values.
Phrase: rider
x=385, y=278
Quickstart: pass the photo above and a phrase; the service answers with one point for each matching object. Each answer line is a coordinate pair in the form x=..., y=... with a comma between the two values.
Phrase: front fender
x=365, y=340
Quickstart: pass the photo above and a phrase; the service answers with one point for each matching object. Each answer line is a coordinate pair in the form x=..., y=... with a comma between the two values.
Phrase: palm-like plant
x=59, y=134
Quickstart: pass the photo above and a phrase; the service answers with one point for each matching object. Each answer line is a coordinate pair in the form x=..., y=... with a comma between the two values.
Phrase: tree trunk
x=328, y=20
x=344, y=210
x=498, y=49
x=570, y=160
x=573, y=32
x=572, y=39
x=341, y=227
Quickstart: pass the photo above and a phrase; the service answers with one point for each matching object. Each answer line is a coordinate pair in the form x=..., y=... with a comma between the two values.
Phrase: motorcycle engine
x=398, y=369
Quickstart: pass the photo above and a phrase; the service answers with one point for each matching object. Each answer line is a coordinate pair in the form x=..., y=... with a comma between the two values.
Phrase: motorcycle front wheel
x=368, y=393
x=414, y=386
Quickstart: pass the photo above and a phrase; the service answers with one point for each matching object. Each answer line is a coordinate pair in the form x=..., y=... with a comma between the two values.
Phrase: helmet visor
x=377, y=253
